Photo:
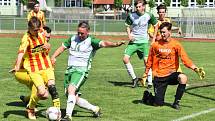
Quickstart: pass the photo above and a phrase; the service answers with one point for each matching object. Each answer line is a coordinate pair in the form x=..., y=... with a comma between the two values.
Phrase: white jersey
x=139, y=24
x=81, y=52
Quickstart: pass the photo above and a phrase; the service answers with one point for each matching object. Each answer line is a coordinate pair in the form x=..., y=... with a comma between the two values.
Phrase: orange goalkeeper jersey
x=35, y=57
x=164, y=58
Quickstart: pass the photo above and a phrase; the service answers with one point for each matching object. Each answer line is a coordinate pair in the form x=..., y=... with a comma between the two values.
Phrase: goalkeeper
x=164, y=60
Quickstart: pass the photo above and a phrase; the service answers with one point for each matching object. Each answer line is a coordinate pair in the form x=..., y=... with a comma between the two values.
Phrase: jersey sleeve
x=43, y=18
x=128, y=20
x=24, y=44
x=95, y=43
x=152, y=20
x=67, y=43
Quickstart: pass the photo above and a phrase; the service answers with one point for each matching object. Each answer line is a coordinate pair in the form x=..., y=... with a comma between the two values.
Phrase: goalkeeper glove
x=200, y=71
x=143, y=80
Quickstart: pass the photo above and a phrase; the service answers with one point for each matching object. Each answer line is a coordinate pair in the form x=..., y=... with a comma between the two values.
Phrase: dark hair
x=167, y=25
x=36, y=2
x=140, y=1
x=161, y=6
x=34, y=22
x=84, y=24
x=47, y=29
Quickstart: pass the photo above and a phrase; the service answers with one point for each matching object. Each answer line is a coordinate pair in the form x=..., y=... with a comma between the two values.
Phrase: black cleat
x=23, y=99
x=135, y=82
x=176, y=106
x=67, y=118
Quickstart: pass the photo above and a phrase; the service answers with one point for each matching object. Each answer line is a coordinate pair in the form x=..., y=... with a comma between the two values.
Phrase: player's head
x=165, y=30
x=83, y=30
x=161, y=10
x=140, y=5
x=36, y=6
x=47, y=31
x=34, y=25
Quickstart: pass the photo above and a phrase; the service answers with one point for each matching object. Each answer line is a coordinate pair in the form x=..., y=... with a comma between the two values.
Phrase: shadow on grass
x=40, y=113
x=198, y=95
x=21, y=104
x=75, y=112
x=165, y=104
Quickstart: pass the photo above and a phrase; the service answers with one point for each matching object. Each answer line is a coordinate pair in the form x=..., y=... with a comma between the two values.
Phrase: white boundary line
x=195, y=114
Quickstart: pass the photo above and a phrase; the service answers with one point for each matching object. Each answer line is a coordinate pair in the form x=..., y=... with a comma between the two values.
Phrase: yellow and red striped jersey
x=40, y=15
x=35, y=57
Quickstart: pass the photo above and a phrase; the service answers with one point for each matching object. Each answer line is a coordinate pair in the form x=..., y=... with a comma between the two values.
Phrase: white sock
x=70, y=104
x=150, y=77
x=83, y=103
x=130, y=70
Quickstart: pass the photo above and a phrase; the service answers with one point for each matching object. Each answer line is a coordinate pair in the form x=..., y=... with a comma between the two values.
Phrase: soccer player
x=164, y=60
x=82, y=48
x=38, y=13
x=22, y=76
x=137, y=26
x=161, y=11
x=34, y=58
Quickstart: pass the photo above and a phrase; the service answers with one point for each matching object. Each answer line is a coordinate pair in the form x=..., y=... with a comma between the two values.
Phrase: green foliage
x=87, y=3
x=118, y=4
x=184, y=3
x=167, y=2
x=200, y=2
x=57, y=3
x=24, y=2
x=151, y=4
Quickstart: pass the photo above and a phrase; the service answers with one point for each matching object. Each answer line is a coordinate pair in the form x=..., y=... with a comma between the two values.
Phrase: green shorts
x=142, y=49
x=75, y=76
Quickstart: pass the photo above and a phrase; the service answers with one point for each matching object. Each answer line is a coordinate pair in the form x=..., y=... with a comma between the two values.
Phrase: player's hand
x=131, y=38
x=143, y=80
x=46, y=46
x=200, y=71
x=53, y=60
x=12, y=70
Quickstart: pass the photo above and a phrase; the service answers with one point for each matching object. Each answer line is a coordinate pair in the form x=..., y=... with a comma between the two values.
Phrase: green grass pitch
x=108, y=86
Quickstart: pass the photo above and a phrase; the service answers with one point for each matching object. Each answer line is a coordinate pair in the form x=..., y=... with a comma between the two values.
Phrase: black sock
x=53, y=92
x=179, y=92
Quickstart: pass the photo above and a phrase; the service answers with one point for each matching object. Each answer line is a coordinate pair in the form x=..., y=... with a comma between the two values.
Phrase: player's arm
x=188, y=63
x=128, y=23
x=57, y=53
x=18, y=61
x=111, y=44
x=154, y=22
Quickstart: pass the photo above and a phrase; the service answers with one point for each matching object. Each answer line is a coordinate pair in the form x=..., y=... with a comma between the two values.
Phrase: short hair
x=36, y=2
x=161, y=6
x=34, y=22
x=47, y=29
x=84, y=24
x=167, y=25
x=140, y=1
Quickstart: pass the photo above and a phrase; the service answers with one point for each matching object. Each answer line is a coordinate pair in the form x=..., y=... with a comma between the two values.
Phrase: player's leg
x=146, y=53
x=52, y=88
x=38, y=92
x=181, y=80
x=129, y=51
x=23, y=78
x=160, y=86
x=75, y=80
x=83, y=103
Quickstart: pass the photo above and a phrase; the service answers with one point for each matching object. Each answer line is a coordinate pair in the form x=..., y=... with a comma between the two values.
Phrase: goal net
x=198, y=23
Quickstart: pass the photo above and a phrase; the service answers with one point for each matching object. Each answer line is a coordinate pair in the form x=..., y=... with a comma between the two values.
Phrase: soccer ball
x=53, y=113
